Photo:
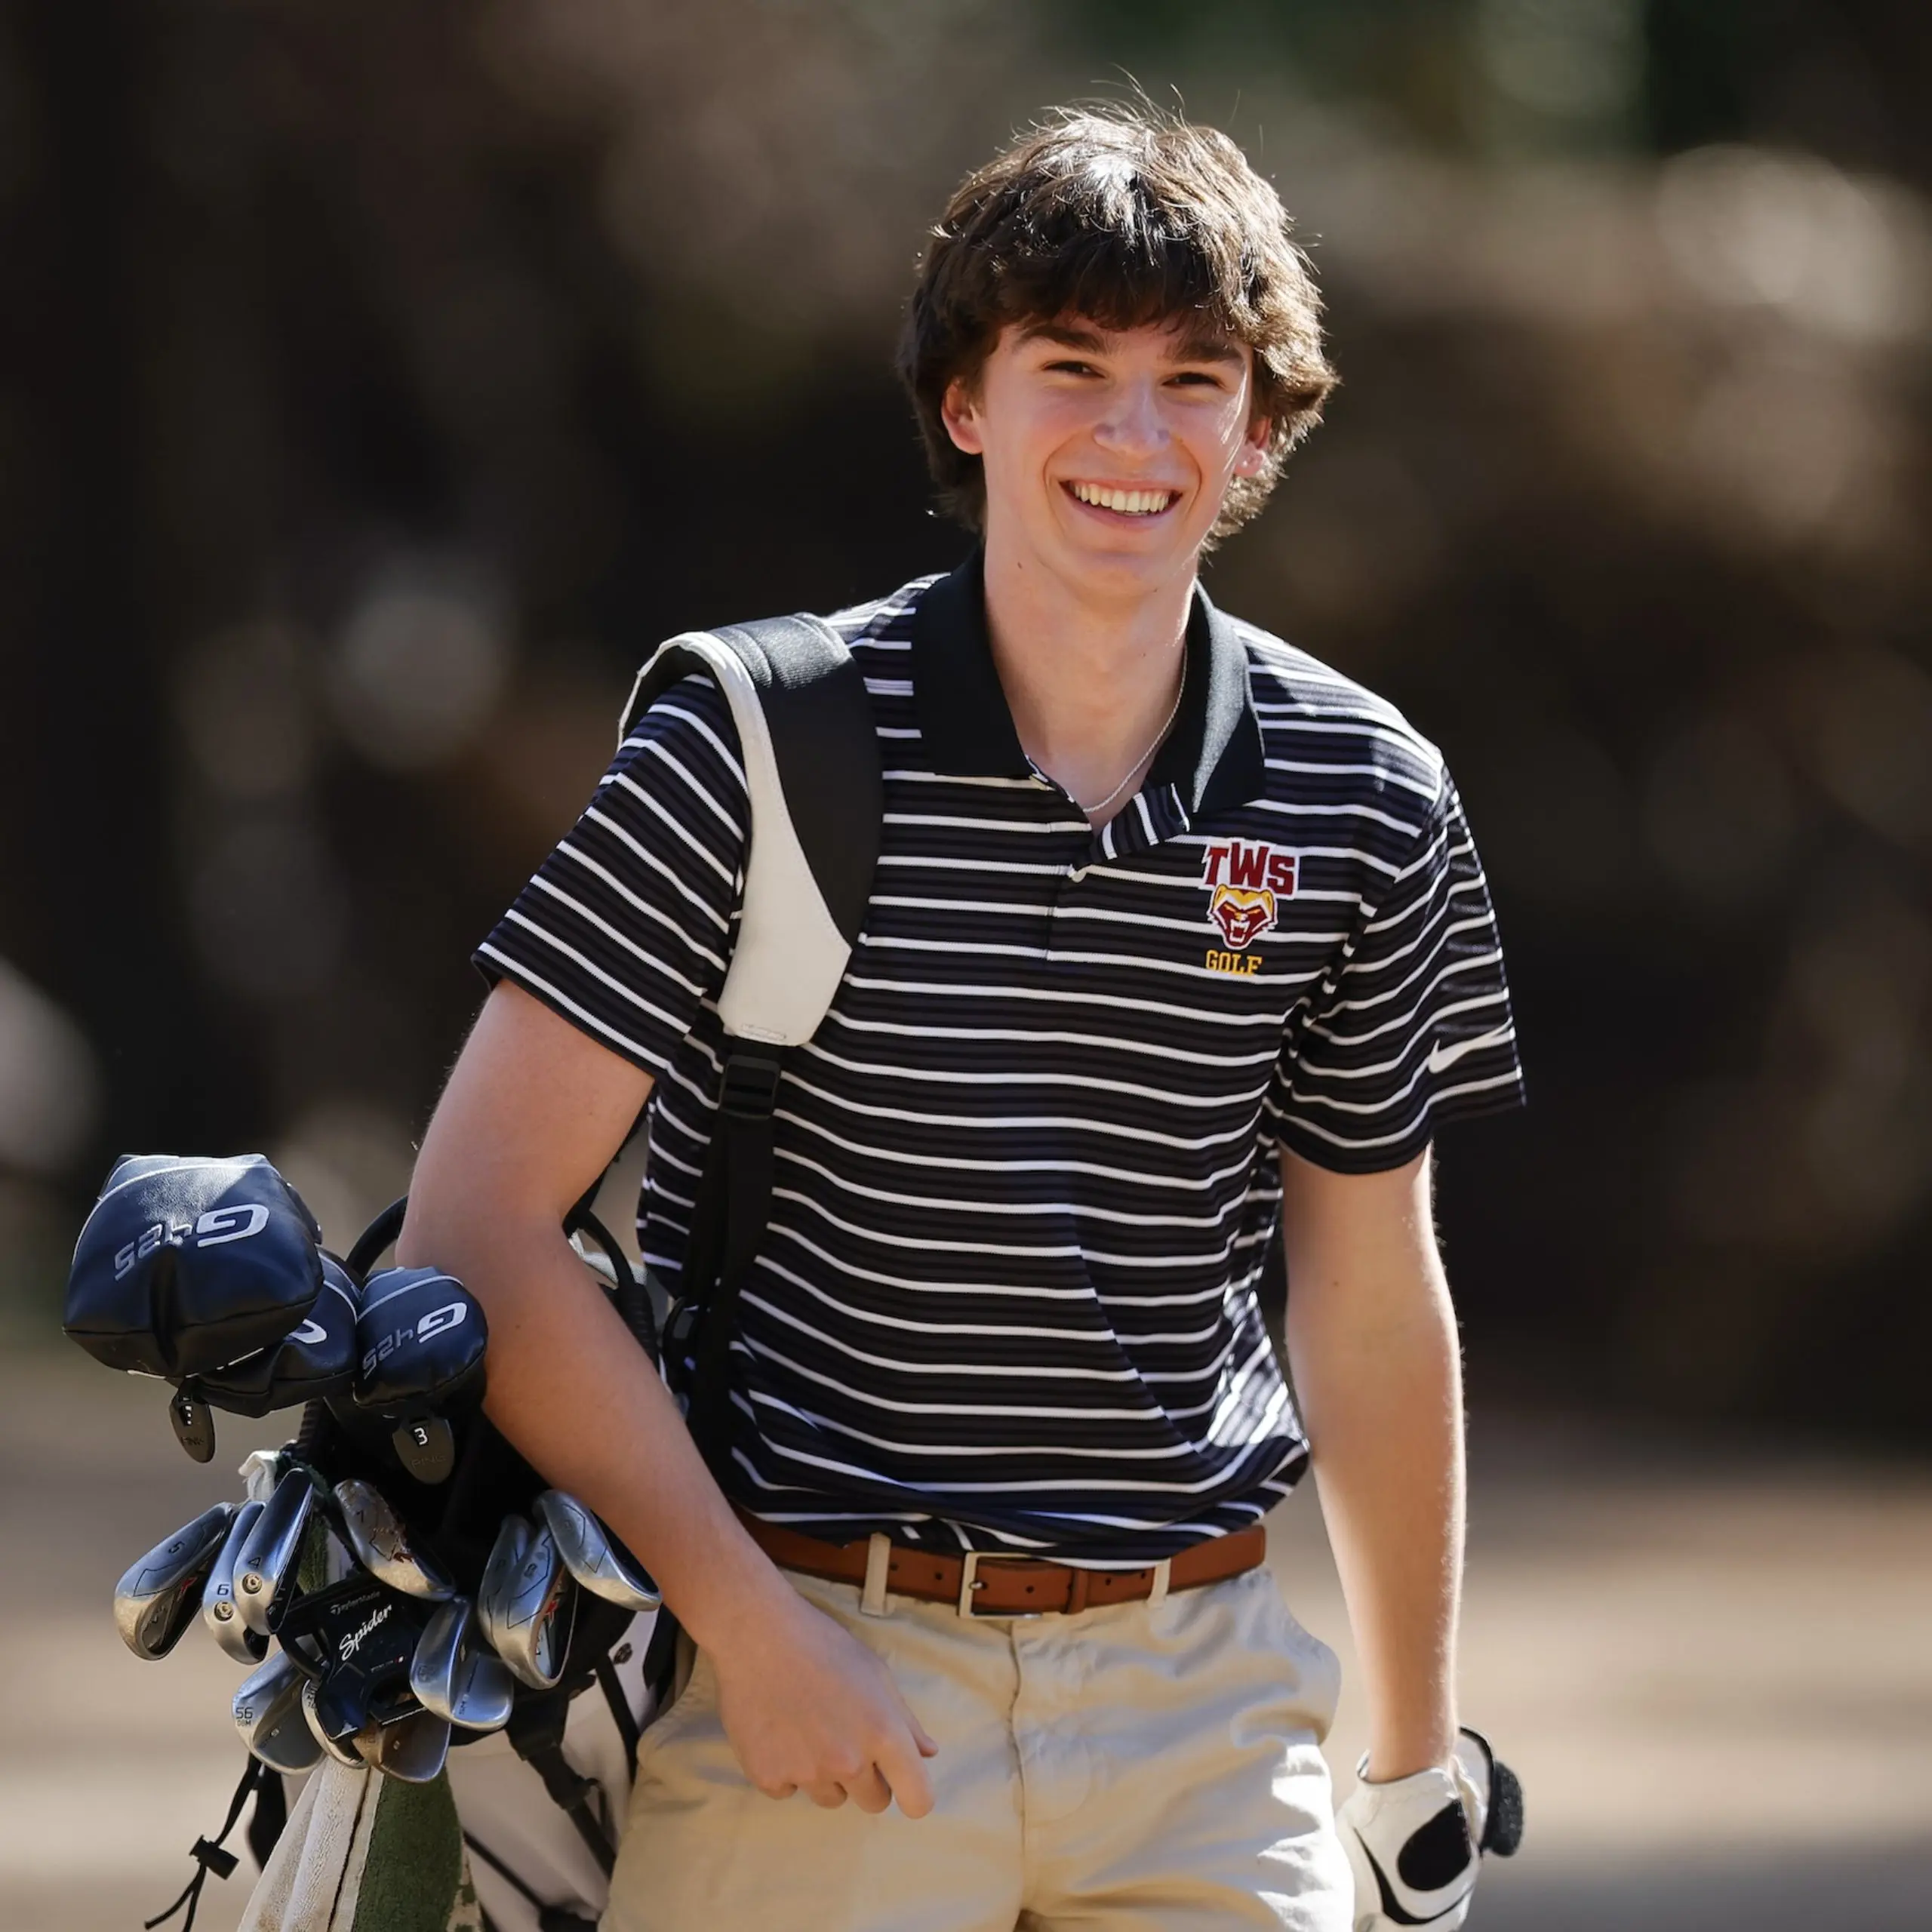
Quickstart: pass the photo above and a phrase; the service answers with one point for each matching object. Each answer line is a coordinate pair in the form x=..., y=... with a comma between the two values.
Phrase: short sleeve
x=625, y=928
x=1413, y=1027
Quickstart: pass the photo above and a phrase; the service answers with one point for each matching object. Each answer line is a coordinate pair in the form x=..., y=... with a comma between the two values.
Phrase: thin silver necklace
x=1133, y=769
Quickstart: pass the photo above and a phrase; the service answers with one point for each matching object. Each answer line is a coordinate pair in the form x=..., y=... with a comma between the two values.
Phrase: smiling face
x=1107, y=454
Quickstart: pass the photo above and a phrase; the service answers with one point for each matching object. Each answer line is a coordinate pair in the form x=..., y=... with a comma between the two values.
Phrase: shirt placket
x=1149, y=819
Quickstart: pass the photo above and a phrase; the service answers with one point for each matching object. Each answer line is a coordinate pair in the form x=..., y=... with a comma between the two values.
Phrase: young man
x=1174, y=931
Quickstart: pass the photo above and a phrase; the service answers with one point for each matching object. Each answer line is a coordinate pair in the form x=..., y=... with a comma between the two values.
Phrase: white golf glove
x=1415, y=1844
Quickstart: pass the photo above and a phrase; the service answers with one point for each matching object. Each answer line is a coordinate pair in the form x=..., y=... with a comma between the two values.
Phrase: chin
x=1130, y=567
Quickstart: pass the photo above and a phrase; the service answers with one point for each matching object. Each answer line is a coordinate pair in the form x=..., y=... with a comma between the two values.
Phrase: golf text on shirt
x=1026, y=1171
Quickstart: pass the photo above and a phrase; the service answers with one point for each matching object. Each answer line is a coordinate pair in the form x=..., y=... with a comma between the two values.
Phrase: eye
x=1068, y=366
x=1200, y=378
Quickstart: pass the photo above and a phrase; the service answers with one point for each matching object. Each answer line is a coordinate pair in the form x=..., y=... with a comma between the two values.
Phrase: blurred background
x=379, y=384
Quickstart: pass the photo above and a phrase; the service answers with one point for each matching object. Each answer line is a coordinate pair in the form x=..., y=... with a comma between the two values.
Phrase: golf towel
x=364, y=1853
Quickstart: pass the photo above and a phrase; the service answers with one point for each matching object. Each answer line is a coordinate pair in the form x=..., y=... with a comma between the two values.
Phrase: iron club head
x=158, y=1598
x=527, y=1603
x=593, y=1556
x=454, y=1676
x=267, y=1560
x=268, y=1713
x=413, y=1749
x=493, y=1594
x=218, y=1611
x=382, y=1544
x=343, y=1751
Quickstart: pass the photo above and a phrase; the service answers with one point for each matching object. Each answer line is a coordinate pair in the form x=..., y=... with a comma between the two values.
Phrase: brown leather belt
x=981, y=1586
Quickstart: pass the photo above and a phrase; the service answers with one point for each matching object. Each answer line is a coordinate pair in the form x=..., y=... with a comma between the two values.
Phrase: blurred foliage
x=379, y=384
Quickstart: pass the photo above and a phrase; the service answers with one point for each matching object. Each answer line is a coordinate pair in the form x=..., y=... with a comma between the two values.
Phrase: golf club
x=383, y=1546
x=267, y=1560
x=218, y=1612
x=455, y=1676
x=362, y=1636
x=158, y=1598
x=420, y=1340
x=527, y=1603
x=344, y=1753
x=268, y=1714
x=593, y=1556
x=413, y=1749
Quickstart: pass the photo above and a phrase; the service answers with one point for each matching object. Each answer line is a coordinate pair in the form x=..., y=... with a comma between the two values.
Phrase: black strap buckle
x=681, y=1329
x=751, y=1083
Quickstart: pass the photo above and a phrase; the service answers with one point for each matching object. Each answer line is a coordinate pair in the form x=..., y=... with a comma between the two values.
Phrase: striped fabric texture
x=1026, y=1172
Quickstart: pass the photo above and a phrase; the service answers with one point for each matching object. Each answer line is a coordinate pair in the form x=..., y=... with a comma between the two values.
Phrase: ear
x=1252, y=457
x=959, y=410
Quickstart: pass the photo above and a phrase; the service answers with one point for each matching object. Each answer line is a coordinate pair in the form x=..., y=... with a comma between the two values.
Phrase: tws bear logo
x=1243, y=912
x=1248, y=880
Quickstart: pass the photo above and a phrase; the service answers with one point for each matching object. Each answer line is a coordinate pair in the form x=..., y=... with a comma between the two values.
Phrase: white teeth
x=1128, y=503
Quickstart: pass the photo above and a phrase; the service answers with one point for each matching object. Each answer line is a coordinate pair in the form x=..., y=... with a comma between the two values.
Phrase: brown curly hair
x=1120, y=216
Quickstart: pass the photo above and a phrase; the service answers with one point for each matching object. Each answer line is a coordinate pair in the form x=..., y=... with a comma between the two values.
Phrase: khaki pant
x=1138, y=1766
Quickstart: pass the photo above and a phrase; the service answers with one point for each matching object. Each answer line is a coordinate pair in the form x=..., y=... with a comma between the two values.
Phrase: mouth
x=1142, y=504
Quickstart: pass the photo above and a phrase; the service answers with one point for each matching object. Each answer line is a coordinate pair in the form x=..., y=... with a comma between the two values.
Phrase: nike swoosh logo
x=1441, y=1058
x=1392, y=1909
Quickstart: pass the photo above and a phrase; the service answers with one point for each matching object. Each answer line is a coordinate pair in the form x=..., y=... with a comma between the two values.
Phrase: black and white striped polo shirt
x=1025, y=1175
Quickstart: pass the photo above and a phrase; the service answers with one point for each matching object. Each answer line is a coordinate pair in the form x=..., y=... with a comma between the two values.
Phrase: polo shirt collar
x=1212, y=757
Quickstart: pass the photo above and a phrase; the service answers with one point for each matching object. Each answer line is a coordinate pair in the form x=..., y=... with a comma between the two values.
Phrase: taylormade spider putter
x=453, y=1676
x=218, y=1612
x=593, y=1556
x=158, y=1598
x=383, y=1546
x=364, y=1637
x=268, y=1713
x=414, y=1748
x=268, y=1558
x=527, y=1603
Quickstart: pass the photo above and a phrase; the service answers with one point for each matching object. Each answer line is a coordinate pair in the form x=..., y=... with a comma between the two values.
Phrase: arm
x=531, y=1116
x=1372, y=1346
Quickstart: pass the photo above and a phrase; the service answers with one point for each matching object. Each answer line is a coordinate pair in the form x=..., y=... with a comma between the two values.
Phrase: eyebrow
x=1203, y=346
x=1066, y=335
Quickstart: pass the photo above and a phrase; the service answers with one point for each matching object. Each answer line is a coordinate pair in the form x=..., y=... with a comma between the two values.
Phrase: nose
x=1133, y=425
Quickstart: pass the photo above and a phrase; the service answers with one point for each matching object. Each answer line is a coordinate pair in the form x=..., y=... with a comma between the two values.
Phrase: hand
x=1415, y=1844
x=808, y=1708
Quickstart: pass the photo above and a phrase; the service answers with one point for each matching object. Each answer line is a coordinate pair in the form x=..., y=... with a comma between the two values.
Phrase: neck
x=1089, y=680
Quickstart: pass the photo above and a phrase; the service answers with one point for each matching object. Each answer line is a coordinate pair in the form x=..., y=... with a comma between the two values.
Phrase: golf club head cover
x=1415, y=1844
x=187, y=1264
x=315, y=1358
x=419, y=1343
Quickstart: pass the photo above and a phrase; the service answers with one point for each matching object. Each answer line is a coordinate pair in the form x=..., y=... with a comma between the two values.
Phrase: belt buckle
x=969, y=1568
x=969, y=1571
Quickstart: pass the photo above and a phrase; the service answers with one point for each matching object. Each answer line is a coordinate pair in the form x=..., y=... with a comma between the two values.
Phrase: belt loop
x=1077, y=1587
x=879, y=1562
x=969, y=1566
x=1157, y=1592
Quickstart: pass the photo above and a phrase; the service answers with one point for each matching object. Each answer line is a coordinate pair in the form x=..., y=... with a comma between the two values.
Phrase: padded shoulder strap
x=811, y=752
